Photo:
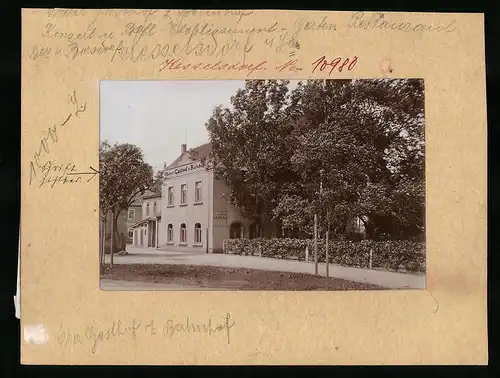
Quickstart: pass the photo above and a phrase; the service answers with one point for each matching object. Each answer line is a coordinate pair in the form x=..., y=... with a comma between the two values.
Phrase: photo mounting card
x=253, y=187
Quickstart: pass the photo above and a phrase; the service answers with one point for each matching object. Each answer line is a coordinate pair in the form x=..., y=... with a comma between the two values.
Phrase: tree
x=367, y=138
x=123, y=174
x=248, y=149
x=362, y=141
x=157, y=183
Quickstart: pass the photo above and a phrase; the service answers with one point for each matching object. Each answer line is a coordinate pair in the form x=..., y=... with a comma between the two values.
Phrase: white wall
x=190, y=213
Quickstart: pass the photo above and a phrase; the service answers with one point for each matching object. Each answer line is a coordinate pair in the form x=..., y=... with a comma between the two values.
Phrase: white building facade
x=145, y=233
x=195, y=212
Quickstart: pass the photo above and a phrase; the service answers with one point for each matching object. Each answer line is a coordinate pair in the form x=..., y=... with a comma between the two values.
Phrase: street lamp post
x=316, y=224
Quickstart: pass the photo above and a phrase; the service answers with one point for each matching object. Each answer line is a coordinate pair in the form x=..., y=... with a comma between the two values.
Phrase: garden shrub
x=389, y=255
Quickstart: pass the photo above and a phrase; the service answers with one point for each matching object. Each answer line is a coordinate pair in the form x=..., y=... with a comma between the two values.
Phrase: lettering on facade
x=220, y=215
x=183, y=169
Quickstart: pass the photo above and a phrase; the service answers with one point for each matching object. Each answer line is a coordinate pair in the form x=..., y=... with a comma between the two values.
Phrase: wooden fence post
x=326, y=259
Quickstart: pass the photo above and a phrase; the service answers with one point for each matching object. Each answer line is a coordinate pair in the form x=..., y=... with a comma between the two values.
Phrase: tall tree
x=123, y=174
x=343, y=149
x=366, y=136
x=249, y=149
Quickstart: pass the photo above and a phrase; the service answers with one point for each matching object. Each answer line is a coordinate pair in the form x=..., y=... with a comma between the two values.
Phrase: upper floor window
x=183, y=194
x=147, y=209
x=183, y=233
x=154, y=207
x=170, y=196
x=170, y=233
x=131, y=213
x=198, y=192
x=197, y=233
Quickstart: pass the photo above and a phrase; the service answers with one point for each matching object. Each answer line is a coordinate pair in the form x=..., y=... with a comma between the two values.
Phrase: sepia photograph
x=290, y=185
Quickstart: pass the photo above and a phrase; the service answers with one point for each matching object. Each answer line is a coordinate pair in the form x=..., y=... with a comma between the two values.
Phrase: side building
x=144, y=233
x=196, y=214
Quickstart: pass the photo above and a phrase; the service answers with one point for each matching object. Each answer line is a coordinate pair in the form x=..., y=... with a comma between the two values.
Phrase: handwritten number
x=353, y=63
x=322, y=63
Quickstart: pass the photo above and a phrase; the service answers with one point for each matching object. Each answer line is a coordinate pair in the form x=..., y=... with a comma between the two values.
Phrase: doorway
x=236, y=230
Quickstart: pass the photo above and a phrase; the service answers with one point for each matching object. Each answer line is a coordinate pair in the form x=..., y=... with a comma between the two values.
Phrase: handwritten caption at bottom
x=94, y=336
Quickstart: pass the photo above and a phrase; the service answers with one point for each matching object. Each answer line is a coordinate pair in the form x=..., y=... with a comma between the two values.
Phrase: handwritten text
x=133, y=329
x=337, y=63
x=360, y=20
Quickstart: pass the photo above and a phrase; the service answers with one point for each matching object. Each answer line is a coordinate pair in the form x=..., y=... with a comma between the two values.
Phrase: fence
x=390, y=255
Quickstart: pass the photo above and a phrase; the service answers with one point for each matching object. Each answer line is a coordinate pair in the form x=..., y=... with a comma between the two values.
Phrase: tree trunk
x=102, y=248
x=115, y=227
x=112, y=244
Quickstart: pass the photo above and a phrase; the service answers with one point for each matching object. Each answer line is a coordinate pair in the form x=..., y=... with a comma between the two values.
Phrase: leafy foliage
x=123, y=174
x=248, y=152
x=344, y=149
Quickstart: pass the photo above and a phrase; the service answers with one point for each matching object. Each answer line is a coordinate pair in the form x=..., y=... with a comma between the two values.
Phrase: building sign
x=220, y=215
x=184, y=169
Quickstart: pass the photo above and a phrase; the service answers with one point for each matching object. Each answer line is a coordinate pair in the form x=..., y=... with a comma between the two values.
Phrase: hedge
x=389, y=255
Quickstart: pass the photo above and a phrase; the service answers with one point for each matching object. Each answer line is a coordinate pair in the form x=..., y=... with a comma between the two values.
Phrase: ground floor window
x=131, y=234
x=236, y=231
x=197, y=233
x=170, y=233
x=183, y=233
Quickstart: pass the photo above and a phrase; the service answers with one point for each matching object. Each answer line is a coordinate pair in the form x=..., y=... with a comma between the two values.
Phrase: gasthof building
x=195, y=211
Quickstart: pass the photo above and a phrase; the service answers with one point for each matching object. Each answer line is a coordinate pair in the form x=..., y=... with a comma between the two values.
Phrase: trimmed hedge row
x=389, y=255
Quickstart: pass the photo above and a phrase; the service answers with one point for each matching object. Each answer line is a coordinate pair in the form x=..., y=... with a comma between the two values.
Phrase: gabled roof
x=196, y=153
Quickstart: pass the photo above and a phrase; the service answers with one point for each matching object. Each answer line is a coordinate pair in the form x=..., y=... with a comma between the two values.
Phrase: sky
x=158, y=116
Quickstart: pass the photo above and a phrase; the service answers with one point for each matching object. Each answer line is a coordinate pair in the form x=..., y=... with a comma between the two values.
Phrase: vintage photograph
x=262, y=185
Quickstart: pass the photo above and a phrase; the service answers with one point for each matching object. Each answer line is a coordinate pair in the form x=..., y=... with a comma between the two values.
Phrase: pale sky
x=158, y=115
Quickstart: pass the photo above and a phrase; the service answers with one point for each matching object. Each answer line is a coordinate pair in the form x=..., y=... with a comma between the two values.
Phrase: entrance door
x=236, y=231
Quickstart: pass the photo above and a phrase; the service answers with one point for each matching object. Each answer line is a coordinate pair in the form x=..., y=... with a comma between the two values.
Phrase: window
x=147, y=209
x=197, y=233
x=183, y=233
x=198, y=194
x=170, y=197
x=131, y=213
x=170, y=233
x=183, y=194
x=154, y=207
x=130, y=234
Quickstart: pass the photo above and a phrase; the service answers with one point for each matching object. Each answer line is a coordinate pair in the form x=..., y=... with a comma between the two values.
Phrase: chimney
x=183, y=148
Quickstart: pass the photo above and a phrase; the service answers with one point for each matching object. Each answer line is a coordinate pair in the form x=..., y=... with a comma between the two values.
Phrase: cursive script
x=171, y=327
x=51, y=137
x=183, y=33
x=361, y=20
x=53, y=174
x=177, y=64
x=117, y=330
x=93, y=336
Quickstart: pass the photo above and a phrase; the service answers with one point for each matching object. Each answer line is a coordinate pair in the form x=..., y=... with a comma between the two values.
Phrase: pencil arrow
x=93, y=173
